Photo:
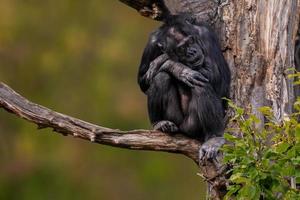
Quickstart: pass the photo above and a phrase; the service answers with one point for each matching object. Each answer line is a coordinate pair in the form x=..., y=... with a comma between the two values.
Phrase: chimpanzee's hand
x=192, y=78
x=154, y=67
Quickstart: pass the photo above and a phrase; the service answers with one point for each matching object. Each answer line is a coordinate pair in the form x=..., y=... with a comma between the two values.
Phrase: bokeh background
x=81, y=58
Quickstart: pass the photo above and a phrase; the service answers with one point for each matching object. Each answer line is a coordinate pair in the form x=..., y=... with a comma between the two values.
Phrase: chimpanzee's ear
x=161, y=46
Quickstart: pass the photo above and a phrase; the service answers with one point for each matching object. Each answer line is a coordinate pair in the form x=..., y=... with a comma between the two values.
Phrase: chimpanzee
x=184, y=75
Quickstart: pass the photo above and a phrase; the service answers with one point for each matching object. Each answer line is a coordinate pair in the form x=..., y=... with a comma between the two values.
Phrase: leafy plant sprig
x=264, y=158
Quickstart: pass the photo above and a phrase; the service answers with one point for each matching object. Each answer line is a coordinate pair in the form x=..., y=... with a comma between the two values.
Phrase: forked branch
x=66, y=125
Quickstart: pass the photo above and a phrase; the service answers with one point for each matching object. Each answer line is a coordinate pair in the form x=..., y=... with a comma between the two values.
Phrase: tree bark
x=258, y=39
x=261, y=35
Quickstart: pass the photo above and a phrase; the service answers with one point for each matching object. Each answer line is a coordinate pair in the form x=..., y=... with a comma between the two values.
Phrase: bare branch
x=154, y=9
x=135, y=139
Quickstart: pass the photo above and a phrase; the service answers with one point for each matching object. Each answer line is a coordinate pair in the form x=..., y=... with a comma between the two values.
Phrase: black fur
x=182, y=96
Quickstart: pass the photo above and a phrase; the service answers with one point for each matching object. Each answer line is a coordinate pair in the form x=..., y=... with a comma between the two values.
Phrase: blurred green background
x=80, y=58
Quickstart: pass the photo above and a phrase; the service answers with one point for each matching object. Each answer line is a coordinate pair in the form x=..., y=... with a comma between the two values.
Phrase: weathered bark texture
x=258, y=39
x=261, y=36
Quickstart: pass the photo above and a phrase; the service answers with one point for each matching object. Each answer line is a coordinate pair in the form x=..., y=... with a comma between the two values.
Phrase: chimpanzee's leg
x=204, y=116
x=204, y=120
x=163, y=103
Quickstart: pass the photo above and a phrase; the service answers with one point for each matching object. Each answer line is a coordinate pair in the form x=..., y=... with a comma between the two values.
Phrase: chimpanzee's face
x=184, y=49
x=189, y=52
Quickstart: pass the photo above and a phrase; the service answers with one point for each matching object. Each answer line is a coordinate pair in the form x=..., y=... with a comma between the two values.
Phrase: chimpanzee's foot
x=166, y=126
x=210, y=148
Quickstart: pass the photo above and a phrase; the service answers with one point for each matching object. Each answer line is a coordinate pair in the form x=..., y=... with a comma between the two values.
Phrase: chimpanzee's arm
x=151, y=52
x=154, y=67
x=183, y=73
x=218, y=71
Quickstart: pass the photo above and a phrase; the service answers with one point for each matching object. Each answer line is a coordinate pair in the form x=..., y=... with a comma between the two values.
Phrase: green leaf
x=240, y=111
x=282, y=147
x=232, y=189
x=296, y=82
x=297, y=132
x=291, y=153
x=293, y=75
x=230, y=137
x=270, y=154
x=265, y=110
x=238, y=178
x=253, y=173
x=297, y=104
x=297, y=174
x=249, y=192
x=288, y=170
x=291, y=69
x=296, y=161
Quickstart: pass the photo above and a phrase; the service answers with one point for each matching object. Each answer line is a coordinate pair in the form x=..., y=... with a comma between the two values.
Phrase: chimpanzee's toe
x=210, y=148
x=166, y=127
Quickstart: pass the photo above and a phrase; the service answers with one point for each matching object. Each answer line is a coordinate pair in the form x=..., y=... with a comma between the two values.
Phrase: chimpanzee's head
x=182, y=44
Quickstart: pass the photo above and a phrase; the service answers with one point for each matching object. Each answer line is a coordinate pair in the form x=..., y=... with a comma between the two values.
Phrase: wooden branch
x=135, y=139
x=154, y=9
x=203, y=10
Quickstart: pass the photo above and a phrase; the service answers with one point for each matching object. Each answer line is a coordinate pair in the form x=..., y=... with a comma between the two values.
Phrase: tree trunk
x=258, y=40
x=261, y=37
